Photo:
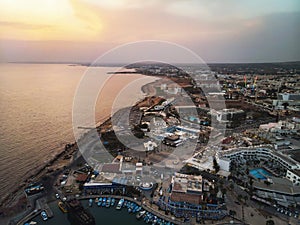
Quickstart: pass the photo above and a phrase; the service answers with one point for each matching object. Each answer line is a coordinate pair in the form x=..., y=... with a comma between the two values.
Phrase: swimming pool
x=259, y=173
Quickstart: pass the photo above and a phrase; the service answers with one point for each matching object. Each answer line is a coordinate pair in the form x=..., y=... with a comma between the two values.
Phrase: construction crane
x=245, y=81
x=254, y=81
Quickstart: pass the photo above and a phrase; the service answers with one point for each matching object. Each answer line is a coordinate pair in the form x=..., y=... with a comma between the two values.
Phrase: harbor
x=156, y=186
x=105, y=214
x=145, y=205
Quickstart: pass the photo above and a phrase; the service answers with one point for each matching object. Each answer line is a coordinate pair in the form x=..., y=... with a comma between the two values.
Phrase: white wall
x=224, y=164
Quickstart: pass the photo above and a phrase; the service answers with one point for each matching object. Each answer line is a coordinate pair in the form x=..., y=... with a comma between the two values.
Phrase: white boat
x=32, y=223
x=140, y=214
x=120, y=204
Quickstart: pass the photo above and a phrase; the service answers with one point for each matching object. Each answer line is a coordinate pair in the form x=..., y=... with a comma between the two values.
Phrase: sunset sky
x=81, y=30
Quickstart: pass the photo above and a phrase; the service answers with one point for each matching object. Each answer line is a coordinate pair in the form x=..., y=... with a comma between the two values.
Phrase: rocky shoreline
x=12, y=201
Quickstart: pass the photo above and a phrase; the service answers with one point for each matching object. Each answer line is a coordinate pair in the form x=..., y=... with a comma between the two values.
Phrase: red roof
x=82, y=177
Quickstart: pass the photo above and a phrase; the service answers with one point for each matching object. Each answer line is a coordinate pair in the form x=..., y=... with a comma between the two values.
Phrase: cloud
x=88, y=15
x=216, y=30
x=20, y=25
x=154, y=22
x=274, y=37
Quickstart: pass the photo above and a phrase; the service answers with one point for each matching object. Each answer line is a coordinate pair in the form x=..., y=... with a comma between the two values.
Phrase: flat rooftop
x=110, y=168
x=187, y=183
x=280, y=185
x=295, y=154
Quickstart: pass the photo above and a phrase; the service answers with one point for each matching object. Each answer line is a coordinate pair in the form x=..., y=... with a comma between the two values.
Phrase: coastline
x=12, y=200
x=15, y=203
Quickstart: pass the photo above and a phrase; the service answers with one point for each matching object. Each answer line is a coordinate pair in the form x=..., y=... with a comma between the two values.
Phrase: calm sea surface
x=36, y=114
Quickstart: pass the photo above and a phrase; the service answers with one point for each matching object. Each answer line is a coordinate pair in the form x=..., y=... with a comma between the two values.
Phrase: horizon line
x=128, y=63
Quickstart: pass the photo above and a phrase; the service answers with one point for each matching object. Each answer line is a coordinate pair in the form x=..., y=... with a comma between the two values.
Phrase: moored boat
x=62, y=207
x=99, y=203
x=44, y=215
x=140, y=214
x=103, y=201
x=112, y=203
x=90, y=202
x=131, y=207
x=108, y=202
x=136, y=207
x=120, y=203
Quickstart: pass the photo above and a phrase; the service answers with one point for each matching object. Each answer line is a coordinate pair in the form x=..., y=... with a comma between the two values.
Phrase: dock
x=146, y=207
x=28, y=217
x=48, y=211
x=41, y=204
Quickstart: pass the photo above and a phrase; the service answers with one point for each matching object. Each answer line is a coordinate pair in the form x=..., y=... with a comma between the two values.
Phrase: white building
x=288, y=100
x=264, y=152
x=150, y=145
x=294, y=176
x=282, y=127
x=224, y=164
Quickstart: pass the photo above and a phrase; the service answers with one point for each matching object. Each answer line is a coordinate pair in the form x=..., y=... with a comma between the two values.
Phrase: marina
x=103, y=215
x=145, y=194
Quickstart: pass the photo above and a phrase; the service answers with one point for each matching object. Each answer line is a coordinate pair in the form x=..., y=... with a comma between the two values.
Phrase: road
x=254, y=212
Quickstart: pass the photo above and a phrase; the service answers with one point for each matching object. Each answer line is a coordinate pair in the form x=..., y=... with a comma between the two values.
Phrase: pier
x=41, y=204
x=30, y=216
